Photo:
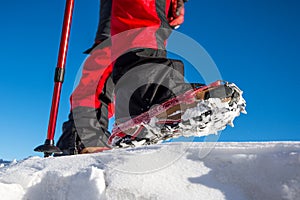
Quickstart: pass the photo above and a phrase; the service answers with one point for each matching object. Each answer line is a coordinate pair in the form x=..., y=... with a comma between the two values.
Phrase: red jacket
x=139, y=24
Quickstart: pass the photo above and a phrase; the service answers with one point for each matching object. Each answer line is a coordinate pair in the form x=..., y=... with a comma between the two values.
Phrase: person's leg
x=91, y=106
x=143, y=75
x=147, y=81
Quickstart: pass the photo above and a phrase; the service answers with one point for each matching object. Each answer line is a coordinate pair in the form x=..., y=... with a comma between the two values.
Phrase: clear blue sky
x=255, y=44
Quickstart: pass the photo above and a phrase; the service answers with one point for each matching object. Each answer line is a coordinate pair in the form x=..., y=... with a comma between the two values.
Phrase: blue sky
x=255, y=44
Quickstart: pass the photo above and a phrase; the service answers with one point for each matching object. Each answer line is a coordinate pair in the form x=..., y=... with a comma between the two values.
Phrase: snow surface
x=266, y=170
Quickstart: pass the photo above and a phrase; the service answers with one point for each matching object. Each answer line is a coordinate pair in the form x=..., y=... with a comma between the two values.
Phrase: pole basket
x=48, y=148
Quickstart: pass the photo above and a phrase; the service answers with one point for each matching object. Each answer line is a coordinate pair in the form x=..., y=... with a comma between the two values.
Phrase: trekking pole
x=49, y=147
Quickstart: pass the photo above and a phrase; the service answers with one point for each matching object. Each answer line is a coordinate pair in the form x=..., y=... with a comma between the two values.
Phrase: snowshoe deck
x=203, y=110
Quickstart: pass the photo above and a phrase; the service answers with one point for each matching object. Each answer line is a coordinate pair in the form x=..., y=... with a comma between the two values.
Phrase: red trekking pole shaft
x=60, y=68
x=58, y=79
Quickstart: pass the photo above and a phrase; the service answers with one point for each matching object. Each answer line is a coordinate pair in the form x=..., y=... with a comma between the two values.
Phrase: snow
x=262, y=170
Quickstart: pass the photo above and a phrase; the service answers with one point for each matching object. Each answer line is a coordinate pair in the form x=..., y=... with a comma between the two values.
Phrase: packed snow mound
x=166, y=171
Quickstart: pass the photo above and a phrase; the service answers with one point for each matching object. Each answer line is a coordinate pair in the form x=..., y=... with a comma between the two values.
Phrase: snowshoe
x=203, y=110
